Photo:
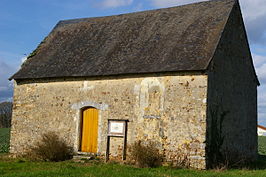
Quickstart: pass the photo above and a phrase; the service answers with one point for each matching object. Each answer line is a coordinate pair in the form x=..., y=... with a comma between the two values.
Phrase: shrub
x=146, y=155
x=182, y=160
x=51, y=148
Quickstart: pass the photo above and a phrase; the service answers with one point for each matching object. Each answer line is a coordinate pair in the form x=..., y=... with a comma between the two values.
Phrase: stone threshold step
x=82, y=157
x=86, y=153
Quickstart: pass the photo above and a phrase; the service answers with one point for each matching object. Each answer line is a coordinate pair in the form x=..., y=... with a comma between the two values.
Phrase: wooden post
x=125, y=142
x=107, y=149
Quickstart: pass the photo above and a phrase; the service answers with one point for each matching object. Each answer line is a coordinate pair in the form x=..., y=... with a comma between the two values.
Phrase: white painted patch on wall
x=136, y=89
x=146, y=84
x=86, y=86
x=77, y=129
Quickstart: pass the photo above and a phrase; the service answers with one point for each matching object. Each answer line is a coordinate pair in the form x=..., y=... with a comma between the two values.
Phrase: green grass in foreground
x=4, y=140
x=22, y=168
x=19, y=168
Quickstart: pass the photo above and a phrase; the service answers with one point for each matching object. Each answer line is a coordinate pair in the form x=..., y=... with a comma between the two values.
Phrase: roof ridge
x=70, y=21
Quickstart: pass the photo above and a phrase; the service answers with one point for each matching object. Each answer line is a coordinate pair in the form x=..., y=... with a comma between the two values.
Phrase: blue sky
x=24, y=24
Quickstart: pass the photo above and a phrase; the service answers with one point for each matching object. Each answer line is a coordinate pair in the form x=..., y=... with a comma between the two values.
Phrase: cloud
x=6, y=86
x=262, y=104
x=261, y=71
x=255, y=15
x=115, y=3
x=138, y=7
x=259, y=60
x=23, y=59
x=260, y=65
x=5, y=72
x=7, y=69
x=3, y=88
x=6, y=95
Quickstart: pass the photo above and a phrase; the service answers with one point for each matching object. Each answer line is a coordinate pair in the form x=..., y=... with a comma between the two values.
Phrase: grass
x=4, y=139
x=20, y=168
x=262, y=145
x=23, y=168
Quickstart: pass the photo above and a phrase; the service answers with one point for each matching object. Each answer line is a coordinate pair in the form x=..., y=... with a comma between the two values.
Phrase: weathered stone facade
x=167, y=109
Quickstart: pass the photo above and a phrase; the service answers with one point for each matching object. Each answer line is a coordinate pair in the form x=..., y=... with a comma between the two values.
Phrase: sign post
x=116, y=128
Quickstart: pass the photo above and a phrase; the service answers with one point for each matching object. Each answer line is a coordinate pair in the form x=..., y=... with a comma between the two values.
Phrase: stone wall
x=232, y=97
x=167, y=109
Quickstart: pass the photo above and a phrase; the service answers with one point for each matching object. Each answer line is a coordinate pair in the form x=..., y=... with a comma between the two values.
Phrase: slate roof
x=181, y=38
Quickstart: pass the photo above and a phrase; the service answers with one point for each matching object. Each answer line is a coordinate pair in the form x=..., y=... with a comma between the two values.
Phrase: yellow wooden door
x=89, y=130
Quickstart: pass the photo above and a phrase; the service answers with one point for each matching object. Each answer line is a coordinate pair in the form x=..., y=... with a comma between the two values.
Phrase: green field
x=15, y=168
x=262, y=145
x=21, y=167
x=4, y=139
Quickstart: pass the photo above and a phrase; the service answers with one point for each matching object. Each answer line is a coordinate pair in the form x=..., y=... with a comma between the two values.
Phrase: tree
x=5, y=114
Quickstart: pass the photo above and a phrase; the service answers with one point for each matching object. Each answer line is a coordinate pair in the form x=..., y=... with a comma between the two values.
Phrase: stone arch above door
x=83, y=104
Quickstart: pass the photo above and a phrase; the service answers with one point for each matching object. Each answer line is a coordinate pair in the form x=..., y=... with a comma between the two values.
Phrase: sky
x=25, y=23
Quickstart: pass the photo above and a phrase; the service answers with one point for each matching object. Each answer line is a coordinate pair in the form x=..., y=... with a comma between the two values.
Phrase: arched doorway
x=89, y=130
